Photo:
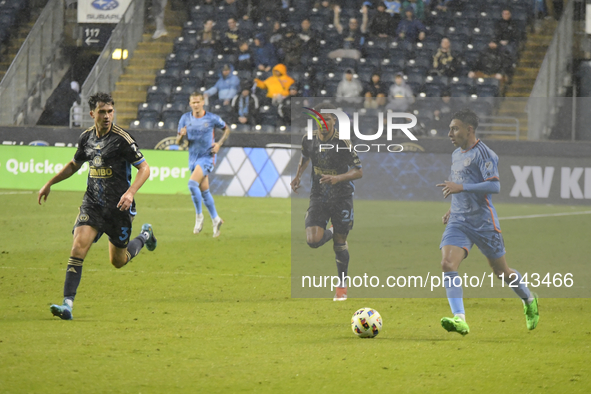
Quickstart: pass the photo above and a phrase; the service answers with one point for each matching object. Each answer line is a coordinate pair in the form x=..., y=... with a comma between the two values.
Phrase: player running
x=108, y=205
x=472, y=219
x=198, y=126
x=333, y=173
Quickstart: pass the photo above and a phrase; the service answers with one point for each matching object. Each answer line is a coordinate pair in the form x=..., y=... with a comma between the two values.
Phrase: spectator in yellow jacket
x=277, y=85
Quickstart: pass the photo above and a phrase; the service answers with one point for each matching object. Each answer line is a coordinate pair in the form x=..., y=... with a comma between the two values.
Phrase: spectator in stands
x=277, y=85
x=508, y=34
x=353, y=37
x=265, y=55
x=443, y=61
x=266, y=8
x=245, y=105
x=349, y=89
x=446, y=5
x=418, y=7
x=325, y=8
x=234, y=8
x=208, y=39
x=158, y=12
x=291, y=49
x=232, y=36
x=401, y=95
x=375, y=92
x=443, y=110
x=245, y=60
x=226, y=87
x=308, y=37
x=393, y=8
x=382, y=24
x=492, y=62
x=208, y=8
x=284, y=108
x=410, y=28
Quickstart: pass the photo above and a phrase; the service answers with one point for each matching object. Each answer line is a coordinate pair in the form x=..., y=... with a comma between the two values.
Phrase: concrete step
x=517, y=94
x=155, y=46
x=124, y=86
x=155, y=63
x=138, y=78
x=132, y=95
x=143, y=54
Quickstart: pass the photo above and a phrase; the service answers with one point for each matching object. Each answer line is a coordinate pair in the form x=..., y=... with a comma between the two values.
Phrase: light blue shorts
x=205, y=162
x=490, y=243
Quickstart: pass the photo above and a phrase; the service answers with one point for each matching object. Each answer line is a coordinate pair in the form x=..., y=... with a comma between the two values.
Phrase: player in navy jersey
x=108, y=205
x=331, y=197
x=472, y=219
x=198, y=127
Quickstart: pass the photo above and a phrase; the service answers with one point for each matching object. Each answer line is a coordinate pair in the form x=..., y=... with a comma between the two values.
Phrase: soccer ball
x=366, y=323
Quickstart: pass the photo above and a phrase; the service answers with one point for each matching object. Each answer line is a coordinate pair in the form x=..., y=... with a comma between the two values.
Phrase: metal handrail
x=31, y=77
x=108, y=68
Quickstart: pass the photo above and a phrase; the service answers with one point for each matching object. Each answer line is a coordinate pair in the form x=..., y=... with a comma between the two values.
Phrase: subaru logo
x=105, y=5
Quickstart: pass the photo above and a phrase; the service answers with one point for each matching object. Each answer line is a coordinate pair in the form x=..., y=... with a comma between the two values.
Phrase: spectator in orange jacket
x=277, y=85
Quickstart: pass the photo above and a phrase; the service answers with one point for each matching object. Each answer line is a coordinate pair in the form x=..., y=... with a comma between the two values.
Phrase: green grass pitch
x=201, y=315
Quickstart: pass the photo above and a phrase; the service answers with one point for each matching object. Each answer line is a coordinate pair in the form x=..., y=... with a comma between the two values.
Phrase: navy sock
x=73, y=276
x=342, y=259
x=135, y=245
x=454, y=291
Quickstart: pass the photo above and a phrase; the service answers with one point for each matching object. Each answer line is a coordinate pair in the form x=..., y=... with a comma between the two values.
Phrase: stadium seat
x=200, y=62
x=153, y=106
x=159, y=94
x=182, y=45
x=143, y=124
x=148, y=114
x=192, y=77
x=392, y=66
x=169, y=76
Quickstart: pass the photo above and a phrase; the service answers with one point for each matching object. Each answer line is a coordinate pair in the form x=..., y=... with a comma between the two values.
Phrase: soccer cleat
x=64, y=312
x=340, y=294
x=532, y=316
x=198, y=224
x=455, y=324
x=151, y=242
x=217, y=223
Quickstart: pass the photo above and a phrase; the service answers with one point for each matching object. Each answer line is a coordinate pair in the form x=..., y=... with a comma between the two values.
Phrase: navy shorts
x=490, y=243
x=113, y=222
x=339, y=212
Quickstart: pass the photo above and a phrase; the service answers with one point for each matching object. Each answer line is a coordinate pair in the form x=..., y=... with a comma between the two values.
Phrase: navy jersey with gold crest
x=330, y=162
x=110, y=158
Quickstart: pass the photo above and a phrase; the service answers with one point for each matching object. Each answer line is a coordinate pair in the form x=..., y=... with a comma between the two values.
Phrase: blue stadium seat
x=374, y=49
x=200, y=62
x=210, y=78
x=192, y=77
x=148, y=114
x=392, y=66
x=461, y=86
x=143, y=124
x=169, y=76
x=158, y=94
x=182, y=45
x=153, y=106
x=487, y=87
x=340, y=65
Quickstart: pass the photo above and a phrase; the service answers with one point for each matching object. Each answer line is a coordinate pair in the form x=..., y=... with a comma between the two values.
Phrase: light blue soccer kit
x=473, y=218
x=201, y=137
x=200, y=134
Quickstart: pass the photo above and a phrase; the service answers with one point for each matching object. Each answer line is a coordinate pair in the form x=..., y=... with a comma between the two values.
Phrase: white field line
x=546, y=215
x=29, y=192
x=158, y=272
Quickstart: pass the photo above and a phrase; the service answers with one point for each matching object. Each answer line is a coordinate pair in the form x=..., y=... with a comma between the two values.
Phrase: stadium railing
x=32, y=76
x=113, y=59
x=552, y=78
x=499, y=125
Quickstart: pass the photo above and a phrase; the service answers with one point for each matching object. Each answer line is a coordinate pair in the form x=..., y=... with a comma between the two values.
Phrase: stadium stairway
x=132, y=88
x=16, y=40
x=526, y=73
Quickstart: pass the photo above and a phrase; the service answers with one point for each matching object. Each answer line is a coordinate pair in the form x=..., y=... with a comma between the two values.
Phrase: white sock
x=461, y=316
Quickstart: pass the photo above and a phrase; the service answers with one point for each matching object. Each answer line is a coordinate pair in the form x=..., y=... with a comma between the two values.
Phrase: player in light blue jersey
x=198, y=127
x=472, y=219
